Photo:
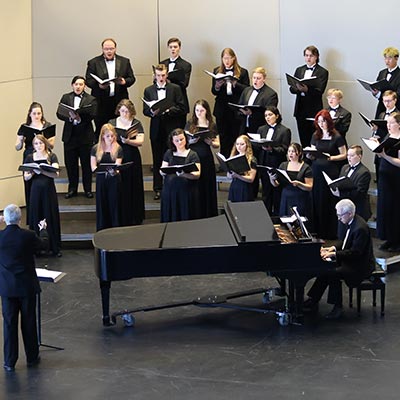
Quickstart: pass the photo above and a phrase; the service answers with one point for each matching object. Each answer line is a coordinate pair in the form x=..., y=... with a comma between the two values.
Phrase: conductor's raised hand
x=42, y=224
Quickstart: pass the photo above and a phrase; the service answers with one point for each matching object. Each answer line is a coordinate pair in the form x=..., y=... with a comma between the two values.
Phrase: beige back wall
x=273, y=34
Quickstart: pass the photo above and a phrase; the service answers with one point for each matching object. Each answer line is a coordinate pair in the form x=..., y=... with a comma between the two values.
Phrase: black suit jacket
x=265, y=97
x=307, y=106
x=221, y=97
x=123, y=68
x=342, y=120
x=392, y=84
x=17, y=264
x=83, y=131
x=169, y=119
x=282, y=135
x=357, y=259
x=185, y=66
x=361, y=177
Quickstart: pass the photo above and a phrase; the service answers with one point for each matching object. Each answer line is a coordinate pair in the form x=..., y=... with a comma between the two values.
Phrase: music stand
x=46, y=275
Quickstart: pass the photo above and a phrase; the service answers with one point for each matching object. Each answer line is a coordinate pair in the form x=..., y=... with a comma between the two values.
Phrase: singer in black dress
x=241, y=188
x=43, y=202
x=108, y=184
x=132, y=191
x=327, y=140
x=179, y=197
x=202, y=120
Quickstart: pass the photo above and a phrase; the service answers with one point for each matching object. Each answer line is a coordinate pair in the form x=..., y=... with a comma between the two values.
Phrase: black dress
x=108, y=195
x=132, y=191
x=43, y=203
x=240, y=190
x=294, y=196
x=207, y=182
x=28, y=149
x=388, y=210
x=179, y=197
x=324, y=212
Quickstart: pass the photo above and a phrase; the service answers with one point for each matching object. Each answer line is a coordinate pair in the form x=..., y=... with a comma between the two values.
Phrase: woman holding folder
x=179, y=197
x=108, y=180
x=388, y=210
x=331, y=151
x=130, y=137
x=297, y=192
x=241, y=188
x=202, y=121
x=43, y=202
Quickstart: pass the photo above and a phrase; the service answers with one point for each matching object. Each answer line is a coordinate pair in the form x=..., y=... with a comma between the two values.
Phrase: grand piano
x=243, y=239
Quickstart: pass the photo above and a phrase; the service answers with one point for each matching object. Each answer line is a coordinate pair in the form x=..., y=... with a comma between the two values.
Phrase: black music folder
x=103, y=81
x=106, y=167
x=176, y=75
x=41, y=166
x=386, y=144
x=48, y=132
x=342, y=183
x=162, y=105
x=65, y=109
x=238, y=163
x=219, y=75
x=370, y=86
x=382, y=123
x=205, y=134
x=315, y=152
x=293, y=81
x=253, y=108
x=126, y=133
x=173, y=169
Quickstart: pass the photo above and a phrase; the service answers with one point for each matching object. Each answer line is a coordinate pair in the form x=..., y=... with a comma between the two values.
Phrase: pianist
x=353, y=254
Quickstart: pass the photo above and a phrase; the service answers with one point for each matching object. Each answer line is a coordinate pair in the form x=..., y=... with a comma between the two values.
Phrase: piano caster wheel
x=284, y=319
x=267, y=297
x=129, y=320
x=107, y=321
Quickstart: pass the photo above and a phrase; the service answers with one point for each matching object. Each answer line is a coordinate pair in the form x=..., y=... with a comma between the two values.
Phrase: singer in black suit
x=273, y=156
x=228, y=90
x=258, y=94
x=19, y=286
x=78, y=136
x=108, y=95
x=360, y=175
x=163, y=119
x=354, y=255
x=341, y=117
x=391, y=74
x=183, y=70
x=308, y=98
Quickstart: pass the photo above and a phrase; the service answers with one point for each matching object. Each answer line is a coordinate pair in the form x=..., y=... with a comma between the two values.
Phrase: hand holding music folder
x=386, y=144
x=382, y=123
x=220, y=75
x=176, y=76
x=253, y=108
x=65, y=110
x=238, y=163
x=112, y=168
x=173, y=169
x=255, y=138
x=343, y=183
x=315, y=152
x=130, y=133
x=161, y=105
x=372, y=86
x=104, y=81
x=200, y=135
x=28, y=131
x=292, y=81
x=43, y=168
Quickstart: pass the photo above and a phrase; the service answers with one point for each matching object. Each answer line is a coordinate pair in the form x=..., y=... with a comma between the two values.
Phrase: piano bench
x=374, y=283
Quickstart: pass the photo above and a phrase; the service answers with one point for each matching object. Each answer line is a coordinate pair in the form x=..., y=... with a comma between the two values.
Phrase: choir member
x=179, y=198
x=228, y=90
x=130, y=139
x=108, y=183
x=241, y=186
x=308, y=98
x=273, y=155
x=202, y=120
x=43, y=202
x=341, y=117
x=326, y=140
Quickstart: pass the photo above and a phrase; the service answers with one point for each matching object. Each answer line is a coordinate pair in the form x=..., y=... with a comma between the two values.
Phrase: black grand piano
x=243, y=239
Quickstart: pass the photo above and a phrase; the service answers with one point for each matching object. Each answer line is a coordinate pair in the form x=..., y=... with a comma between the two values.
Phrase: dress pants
x=306, y=130
x=159, y=146
x=72, y=155
x=12, y=306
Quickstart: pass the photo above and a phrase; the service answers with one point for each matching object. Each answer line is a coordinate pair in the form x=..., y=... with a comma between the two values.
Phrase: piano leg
x=105, y=287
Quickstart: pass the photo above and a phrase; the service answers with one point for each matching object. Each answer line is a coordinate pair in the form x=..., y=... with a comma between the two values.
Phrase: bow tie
x=333, y=109
x=79, y=95
x=256, y=90
x=310, y=68
x=353, y=167
x=161, y=88
x=228, y=69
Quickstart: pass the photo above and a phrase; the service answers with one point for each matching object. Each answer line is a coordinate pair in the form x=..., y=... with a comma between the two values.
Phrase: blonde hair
x=390, y=52
x=260, y=70
x=101, y=145
x=249, y=148
x=335, y=92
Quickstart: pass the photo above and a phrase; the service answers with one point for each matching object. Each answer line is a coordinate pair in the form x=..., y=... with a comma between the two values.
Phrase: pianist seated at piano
x=180, y=196
x=353, y=260
x=296, y=193
x=108, y=183
x=241, y=188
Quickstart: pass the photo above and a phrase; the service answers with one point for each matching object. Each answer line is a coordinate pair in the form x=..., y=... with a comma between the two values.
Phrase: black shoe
x=89, y=195
x=156, y=196
x=70, y=194
x=310, y=306
x=34, y=362
x=335, y=313
x=56, y=254
x=385, y=245
x=8, y=368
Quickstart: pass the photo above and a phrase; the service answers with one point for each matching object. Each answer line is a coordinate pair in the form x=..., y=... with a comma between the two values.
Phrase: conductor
x=19, y=286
